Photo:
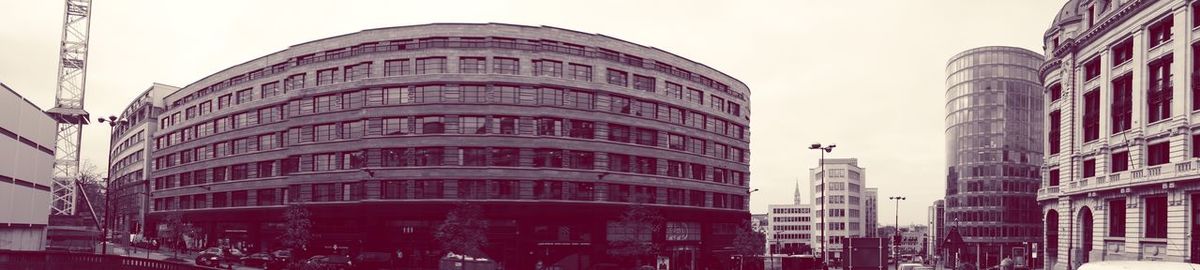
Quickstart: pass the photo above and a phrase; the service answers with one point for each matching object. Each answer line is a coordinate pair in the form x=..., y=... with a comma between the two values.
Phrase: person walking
x=1006, y=264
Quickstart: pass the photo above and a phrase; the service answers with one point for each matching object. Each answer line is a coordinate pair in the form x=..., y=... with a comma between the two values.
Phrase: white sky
x=867, y=75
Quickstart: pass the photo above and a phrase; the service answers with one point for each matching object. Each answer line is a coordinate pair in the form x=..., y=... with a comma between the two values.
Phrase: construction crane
x=68, y=105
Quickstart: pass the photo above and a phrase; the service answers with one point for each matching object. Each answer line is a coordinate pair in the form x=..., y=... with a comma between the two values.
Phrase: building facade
x=790, y=230
x=845, y=192
x=871, y=197
x=993, y=149
x=1121, y=165
x=128, y=165
x=578, y=126
x=26, y=156
x=914, y=240
x=936, y=225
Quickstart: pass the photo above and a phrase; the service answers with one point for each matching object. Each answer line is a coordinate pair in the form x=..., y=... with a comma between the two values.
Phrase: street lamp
x=112, y=122
x=896, y=235
x=821, y=162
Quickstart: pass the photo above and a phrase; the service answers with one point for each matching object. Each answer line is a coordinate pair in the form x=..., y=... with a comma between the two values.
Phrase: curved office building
x=993, y=150
x=555, y=133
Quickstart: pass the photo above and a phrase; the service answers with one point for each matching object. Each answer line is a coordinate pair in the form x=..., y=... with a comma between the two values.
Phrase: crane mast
x=68, y=105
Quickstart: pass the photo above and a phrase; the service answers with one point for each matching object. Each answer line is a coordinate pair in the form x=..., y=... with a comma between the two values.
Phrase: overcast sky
x=867, y=75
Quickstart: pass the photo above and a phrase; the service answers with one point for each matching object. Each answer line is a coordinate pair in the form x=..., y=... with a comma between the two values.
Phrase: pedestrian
x=1006, y=264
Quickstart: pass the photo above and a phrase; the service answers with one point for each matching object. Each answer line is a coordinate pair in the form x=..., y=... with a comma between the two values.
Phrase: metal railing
x=45, y=260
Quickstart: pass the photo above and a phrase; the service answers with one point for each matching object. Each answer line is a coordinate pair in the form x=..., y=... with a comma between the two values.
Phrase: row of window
x=792, y=236
x=129, y=142
x=438, y=65
x=1154, y=219
x=128, y=160
x=441, y=125
x=451, y=156
x=466, y=189
x=791, y=210
x=791, y=219
x=1156, y=154
x=792, y=227
x=505, y=43
x=418, y=94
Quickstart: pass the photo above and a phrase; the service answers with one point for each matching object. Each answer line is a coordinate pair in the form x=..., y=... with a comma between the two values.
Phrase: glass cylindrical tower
x=993, y=150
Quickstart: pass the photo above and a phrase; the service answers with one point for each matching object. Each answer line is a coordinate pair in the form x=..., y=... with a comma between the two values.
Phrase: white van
x=1136, y=265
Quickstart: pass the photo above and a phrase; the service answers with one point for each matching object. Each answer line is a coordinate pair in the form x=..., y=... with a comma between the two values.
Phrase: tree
x=631, y=237
x=298, y=227
x=464, y=232
x=748, y=243
x=176, y=230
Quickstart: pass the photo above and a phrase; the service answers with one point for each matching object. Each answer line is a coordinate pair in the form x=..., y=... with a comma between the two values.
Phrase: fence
x=46, y=260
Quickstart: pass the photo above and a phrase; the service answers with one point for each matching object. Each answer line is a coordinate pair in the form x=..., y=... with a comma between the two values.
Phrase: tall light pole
x=823, y=212
x=112, y=122
x=896, y=235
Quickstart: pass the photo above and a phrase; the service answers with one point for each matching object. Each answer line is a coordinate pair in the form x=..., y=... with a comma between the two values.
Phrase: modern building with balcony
x=1121, y=163
x=845, y=196
x=554, y=133
x=128, y=165
x=993, y=150
x=27, y=146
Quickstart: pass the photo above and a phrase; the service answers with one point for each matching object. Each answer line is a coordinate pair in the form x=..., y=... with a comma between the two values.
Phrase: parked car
x=1131, y=265
x=261, y=260
x=228, y=255
x=208, y=259
x=145, y=245
x=373, y=260
x=337, y=262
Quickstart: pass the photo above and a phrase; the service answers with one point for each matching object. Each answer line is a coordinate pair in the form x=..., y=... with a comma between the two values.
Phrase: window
x=696, y=146
x=266, y=169
x=547, y=68
x=504, y=125
x=698, y=172
x=620, y=104
x=326, y=132
x=473, y=156
x=618, y=133
x=358, y=72
x=676, y=142
x=431, y=65
x=1053, y=134
x=646, y=108
x=1119, y=161
x=1122, y=52
x=1156, y=217
x=394, y=189
x=1053, y=178
x=472, y=189
x=396, y=67
x=552, y=158
x=695, y=96
x=428, y=189
x=294, y=82
x=1160, y=32
x=697, y=198
x=506, y=66
x=643, y=83
x=504, y=94
x=474, y=65
x=549, y=126
x=322, y=192
x=472, y=125
x=674, y=90
x=223, y=102
x=429, y=156
x=646, y=137
x=717, y=103
x=1122, y=104
x=1089, y=168
x=1195, y=73
x=473, y=94
x=581, y=160
x=548, y=190
x=397, y=157
x=430, y=125
x=617, y=77
x=220, y=199
x=325, y=162
x=1116, y=218
x=505, y=157
x=582, y=129
x=618, y=162
x=326, y=76
x=1055, y=92
x=677, y=115
x=580, y=99
x=645, y=165
x=580, y=72
x=503, y=189
x=675, y=168
x=396, y=126
x=697, y=120
x=205, y=107
x=1091, y=115
x=551, y=96
x=1158, y=153
x=265, y=197
x=1091, y=69
x=1158, y=96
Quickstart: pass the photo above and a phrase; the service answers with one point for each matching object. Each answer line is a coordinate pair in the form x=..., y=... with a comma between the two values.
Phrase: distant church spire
x=797, y=194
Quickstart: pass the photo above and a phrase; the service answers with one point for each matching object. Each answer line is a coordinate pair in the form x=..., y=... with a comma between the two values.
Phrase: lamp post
x=112, y=122
x=896, y=235
x=821, y=164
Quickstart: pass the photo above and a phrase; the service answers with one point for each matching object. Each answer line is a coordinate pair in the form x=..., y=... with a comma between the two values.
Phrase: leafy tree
x=748, y=243
x=635, y=231
x=298, y=228
x=176, y=230
x=464, y=231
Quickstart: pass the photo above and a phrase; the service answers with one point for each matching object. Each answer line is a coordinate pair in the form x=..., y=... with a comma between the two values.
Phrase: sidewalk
x=187, y=257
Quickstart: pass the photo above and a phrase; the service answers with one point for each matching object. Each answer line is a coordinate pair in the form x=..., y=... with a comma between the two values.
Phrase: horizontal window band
x=26, y=141
x=19, y=182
